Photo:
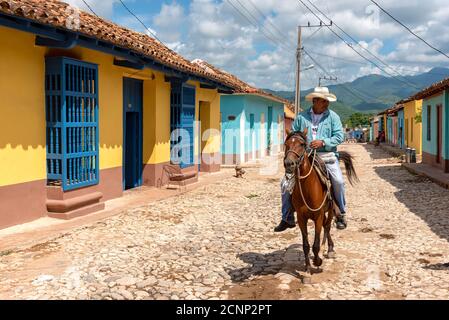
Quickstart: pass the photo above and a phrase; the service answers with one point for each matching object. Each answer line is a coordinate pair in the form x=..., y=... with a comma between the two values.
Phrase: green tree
x=358, y=119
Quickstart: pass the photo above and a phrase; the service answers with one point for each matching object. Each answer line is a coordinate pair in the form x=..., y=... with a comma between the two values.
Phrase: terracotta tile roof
x=239, y=85
x=431, y=90
x=427, y=92
x=56, y=14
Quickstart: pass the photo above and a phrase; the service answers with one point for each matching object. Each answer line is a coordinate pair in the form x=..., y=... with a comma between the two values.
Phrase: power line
x=409, y=30
x=353, y=91
x=405, y=81
x=90, y=8
x=141, y=22
x=315, y=62
x=364, y=63
x=255, y=23
x=266, y=19
x=315, y=32
x=353, y=39
x=358, y=53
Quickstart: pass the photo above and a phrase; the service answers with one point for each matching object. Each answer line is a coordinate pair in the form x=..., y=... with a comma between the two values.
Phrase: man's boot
x=341, y=222
x=284, y=226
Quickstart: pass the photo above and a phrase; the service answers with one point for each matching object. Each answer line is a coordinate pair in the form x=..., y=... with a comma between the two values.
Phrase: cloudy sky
x=256, y=39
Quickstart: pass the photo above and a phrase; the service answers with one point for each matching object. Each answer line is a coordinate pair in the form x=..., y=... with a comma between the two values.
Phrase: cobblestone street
x=217, y=242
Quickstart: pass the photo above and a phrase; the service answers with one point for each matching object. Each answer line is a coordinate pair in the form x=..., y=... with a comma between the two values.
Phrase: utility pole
x=298, y=63
x=326, y=78
x=298, y=73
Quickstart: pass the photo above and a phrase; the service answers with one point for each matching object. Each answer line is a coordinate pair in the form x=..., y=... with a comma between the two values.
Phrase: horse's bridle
x=300, y=157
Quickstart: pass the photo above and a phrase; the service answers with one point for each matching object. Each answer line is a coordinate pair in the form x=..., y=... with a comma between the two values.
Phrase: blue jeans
x=338, y=186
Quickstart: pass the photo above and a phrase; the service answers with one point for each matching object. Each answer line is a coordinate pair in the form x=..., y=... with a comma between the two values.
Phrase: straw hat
x=323, y=93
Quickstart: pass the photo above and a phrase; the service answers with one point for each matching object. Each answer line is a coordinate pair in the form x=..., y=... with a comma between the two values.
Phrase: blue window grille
x=182, y=116
x=71, y=88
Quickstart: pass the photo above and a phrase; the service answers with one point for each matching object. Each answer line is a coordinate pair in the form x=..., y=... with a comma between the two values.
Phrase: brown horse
x=310, y=196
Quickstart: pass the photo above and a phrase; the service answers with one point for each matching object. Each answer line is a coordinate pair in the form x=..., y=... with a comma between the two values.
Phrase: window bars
x=72, y=123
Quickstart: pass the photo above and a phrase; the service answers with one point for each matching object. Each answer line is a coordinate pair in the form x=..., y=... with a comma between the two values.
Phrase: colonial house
x=89, y=108
x=395, y=125
x=382, y=116
x=374, y=128
x=411, y=123
x=435, y=124
x=252, y=120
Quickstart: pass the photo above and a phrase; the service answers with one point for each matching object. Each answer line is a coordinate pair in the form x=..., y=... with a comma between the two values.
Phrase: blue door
x=187, y=122
x=132, y=133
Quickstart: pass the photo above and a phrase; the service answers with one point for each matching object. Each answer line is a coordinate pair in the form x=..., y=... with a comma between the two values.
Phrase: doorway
x=132, y=133
x=204, y=125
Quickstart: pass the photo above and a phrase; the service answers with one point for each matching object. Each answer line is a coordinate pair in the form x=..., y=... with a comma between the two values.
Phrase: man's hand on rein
x=317, y=144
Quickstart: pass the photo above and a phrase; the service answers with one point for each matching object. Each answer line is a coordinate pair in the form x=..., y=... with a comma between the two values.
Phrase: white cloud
x=169, y=21
x=103, y=8
x=214, y=31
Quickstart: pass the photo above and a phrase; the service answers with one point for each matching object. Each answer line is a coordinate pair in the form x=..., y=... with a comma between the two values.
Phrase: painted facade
x=83, y=119
x=374, y=128
x=252, y=127
x=435, y=130
x=24, y=188
x=413, y=125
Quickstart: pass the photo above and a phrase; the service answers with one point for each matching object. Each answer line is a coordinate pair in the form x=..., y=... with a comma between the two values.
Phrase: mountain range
x=372, y=93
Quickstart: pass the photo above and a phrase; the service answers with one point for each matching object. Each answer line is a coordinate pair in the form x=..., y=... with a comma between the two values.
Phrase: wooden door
x=439, y=132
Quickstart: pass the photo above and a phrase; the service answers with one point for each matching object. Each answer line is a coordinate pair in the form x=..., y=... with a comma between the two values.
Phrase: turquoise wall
x=430, y=146
x=231, y=106
x=243, y=106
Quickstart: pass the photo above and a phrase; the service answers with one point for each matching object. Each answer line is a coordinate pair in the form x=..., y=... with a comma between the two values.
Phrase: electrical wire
x=409, y=30
x=357, y=43
x=90, y=8
x=141, y=22
x=357, y=52
x=255, y=23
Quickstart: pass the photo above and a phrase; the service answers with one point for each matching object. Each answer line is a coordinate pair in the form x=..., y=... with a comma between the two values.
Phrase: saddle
x=322, y=172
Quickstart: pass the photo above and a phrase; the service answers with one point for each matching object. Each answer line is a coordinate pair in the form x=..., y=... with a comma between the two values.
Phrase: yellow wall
x=22, y=109
x=411, y=110
x=155, y=94
x=212, y=98
x=156, y=120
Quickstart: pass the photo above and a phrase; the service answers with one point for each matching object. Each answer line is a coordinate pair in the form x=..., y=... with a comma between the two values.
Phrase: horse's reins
x=299, y=177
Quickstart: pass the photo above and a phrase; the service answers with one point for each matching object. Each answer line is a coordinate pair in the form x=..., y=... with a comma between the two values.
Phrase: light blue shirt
x=330, y=129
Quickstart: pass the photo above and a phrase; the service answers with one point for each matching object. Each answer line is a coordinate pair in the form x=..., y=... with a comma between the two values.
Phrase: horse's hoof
x=307, y=279
x=317, y=262
x=331, y=255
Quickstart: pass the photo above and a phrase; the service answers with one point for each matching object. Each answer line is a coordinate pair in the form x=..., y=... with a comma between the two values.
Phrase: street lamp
x=308, y=68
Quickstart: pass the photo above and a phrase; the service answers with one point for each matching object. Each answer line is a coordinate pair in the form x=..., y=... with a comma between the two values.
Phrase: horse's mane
x=296, y=133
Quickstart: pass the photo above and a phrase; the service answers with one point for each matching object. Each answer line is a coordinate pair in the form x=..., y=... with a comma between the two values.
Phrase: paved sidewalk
x=44, y=228
x=434, y=174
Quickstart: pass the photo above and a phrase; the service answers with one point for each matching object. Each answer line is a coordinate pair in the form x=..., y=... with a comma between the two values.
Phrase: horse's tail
x=349, y=165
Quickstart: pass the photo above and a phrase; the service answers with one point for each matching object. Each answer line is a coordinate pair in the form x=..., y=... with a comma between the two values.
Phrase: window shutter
x=182, y=116
x=72, y=123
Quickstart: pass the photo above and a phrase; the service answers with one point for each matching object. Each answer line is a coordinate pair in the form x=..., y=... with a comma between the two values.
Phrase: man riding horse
x=325, y=132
